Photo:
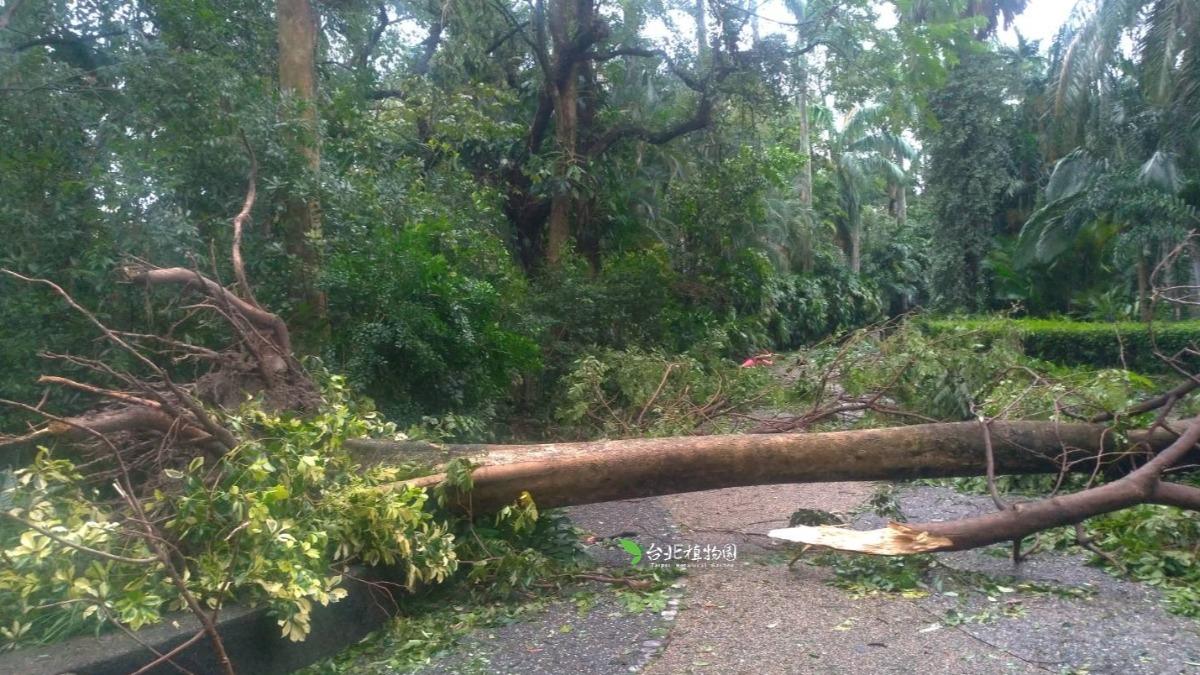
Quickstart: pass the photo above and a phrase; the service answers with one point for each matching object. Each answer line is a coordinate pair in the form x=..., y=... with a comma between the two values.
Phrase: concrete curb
x=252, y=639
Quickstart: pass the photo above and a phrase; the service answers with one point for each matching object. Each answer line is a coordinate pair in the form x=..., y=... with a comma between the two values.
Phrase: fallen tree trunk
x=565, y=474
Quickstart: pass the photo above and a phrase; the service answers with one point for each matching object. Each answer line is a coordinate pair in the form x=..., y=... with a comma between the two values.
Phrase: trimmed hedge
x=1099, y=344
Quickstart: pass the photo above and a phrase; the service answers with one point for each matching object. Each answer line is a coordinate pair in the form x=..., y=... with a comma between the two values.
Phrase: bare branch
x=220, y=433
x=99, y=391
x=239, y=221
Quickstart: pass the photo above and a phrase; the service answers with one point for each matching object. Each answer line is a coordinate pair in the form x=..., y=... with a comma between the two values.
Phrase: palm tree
x=861, y=151
x=992, y=11
x=1090, y=61
x=1124, y=136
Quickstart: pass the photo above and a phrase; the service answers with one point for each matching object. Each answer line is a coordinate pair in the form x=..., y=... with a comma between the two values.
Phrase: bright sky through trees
x=1040, y=21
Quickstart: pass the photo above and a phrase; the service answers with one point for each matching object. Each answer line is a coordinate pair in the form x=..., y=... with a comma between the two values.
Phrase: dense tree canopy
x=458, y=197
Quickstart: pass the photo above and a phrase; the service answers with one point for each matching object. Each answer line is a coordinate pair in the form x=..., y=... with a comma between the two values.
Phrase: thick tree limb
x=363, y=56
x=1143, y=486
x=1186, y=387
x=132, y=418
x=428, y=47
x=580, y=473
x=700, y=119
x=1021, y=521
x=181, y=276
x=239, y=223
x=689, y=80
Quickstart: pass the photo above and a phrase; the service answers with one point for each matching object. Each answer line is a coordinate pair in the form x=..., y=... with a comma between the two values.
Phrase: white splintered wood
x=895, y=539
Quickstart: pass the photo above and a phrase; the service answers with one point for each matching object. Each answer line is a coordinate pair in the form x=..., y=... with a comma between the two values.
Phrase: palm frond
x=1161, y=172
x=1070, y=176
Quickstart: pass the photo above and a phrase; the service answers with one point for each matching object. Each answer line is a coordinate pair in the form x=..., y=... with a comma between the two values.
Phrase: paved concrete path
x=757, y=616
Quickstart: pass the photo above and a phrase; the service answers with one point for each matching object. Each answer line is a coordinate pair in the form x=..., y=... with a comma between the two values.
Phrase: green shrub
x=956, y=375
x=272, y=523
x=426, y=319
x=269, y=524
x=1122, y=345
x=805, y=308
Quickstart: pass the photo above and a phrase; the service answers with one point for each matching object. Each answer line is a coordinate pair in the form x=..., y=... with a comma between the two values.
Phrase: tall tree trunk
x=804, y=182
x=854, y=232
x=1168, y=278
x=297, y=26
x=856, y=249
x=898, y=197
x=565, y=136
x=566, y=19
x=1143, y=282
x=701, y=31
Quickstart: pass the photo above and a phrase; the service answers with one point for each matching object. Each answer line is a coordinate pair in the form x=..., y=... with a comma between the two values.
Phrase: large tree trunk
x=899, y=198
x=1145, y=311
x=804, y=181
x=297, y=25
x=566, y=474
x=565, y=136
x=566, y=20
x=856, y=246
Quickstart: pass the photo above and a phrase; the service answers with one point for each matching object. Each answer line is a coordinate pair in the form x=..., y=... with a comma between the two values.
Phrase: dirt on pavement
x=760, y=616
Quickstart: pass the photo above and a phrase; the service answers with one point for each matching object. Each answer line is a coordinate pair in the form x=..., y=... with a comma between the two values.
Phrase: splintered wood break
x=895, y=539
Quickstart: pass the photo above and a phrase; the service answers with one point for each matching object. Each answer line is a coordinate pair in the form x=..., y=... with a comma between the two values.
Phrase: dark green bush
x=804, y=308
x=425, y=319
x=1122, y=345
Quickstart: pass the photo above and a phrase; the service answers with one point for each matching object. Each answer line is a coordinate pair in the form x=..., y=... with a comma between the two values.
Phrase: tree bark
x=1194, y=266
x=566, y=474
x=298, y=30
x=856, y=229
x=569, y=19
x=565, y=136
x=899, y=199
x=804, y=180
x=1145, y=311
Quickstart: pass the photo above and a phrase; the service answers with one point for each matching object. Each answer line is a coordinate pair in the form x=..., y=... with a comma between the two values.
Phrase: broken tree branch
x=1142, y=486
x=239, y=222
x=260, y=318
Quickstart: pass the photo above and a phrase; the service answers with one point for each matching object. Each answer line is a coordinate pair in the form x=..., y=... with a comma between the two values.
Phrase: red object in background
x=767, y=359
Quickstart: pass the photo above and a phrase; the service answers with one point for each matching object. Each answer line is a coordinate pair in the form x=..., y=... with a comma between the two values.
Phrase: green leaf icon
x=633, y=549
